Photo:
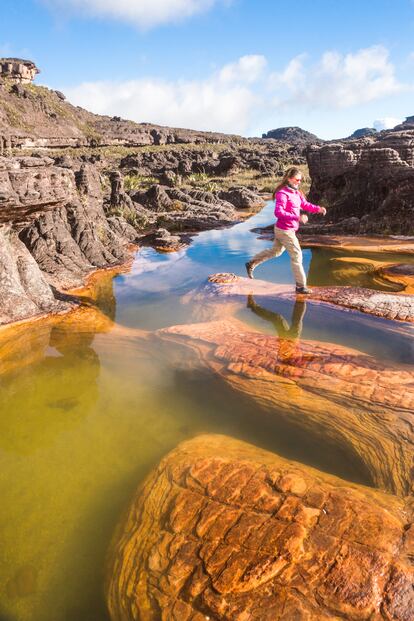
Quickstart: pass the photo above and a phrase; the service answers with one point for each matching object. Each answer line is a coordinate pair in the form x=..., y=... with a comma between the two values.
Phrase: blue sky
x=242, y=66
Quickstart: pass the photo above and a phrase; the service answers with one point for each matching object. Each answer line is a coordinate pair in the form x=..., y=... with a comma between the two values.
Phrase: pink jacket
x=289, y=202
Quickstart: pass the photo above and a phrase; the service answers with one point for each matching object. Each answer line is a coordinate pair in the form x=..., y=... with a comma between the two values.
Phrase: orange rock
x=224, y=530
x=339, y=393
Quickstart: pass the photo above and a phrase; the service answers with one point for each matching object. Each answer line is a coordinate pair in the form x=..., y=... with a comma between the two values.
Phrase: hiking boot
x=249, y=269
x=304, y=290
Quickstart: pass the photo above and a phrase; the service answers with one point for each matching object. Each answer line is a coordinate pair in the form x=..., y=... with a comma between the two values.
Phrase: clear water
x=85, y=412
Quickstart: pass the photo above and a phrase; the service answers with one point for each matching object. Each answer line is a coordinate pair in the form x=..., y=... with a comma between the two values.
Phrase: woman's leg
x=291, y=243
x=274, y=251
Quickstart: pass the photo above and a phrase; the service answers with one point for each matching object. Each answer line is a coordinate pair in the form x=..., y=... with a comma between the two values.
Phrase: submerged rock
x=224, y=530
x=341, y=394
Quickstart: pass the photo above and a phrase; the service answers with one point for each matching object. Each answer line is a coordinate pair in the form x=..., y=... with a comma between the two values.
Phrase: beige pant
x=284, y=240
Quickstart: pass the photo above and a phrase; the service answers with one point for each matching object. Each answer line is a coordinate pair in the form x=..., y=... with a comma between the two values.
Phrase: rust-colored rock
x=338, y=393
x=222, y=530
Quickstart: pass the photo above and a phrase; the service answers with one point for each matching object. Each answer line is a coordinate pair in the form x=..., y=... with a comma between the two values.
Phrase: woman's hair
x=289, y=173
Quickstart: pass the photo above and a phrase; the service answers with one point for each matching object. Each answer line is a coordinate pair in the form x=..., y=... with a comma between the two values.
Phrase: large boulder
x=222, y=530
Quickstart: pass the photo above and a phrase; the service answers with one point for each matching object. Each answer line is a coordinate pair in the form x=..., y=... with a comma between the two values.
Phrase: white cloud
x=247, y=69
x=221, y=102
x=337, y=80
x=236, y=99
x=142, y=13
x=386, y=123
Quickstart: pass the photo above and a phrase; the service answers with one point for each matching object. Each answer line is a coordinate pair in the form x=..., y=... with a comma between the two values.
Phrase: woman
x=289, y=201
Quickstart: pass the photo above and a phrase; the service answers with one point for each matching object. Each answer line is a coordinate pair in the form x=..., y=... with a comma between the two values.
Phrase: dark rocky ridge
x=293, y=135
x=363, y=132
x=367, y=184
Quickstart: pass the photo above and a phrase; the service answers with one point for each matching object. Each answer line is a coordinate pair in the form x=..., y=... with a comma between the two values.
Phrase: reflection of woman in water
x=289, y=203
x=289, y=336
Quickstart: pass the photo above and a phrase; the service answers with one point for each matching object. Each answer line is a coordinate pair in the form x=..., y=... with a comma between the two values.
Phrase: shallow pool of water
x=85, y=412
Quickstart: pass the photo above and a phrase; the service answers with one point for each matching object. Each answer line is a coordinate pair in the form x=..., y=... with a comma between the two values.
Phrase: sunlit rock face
x=224, y=530
x=17, y=70
x=335, y=392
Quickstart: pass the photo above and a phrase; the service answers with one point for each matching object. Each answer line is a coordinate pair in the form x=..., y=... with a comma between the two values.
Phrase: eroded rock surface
x=386, y=305
x=336, y=392
x=24, y=291
x=370, y=180
x=222, y=530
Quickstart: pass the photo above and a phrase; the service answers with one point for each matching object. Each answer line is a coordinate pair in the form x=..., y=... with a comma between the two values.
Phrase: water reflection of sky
x=151, y=295
x=158, y=279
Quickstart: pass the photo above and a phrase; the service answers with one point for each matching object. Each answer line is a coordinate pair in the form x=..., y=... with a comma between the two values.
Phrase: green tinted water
x=86, y=412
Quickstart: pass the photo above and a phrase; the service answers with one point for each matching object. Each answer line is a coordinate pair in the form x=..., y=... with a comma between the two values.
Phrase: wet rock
x=339, y=393
x=163, y=241
x=398, y=307
x=385, y=305
x=224, y=530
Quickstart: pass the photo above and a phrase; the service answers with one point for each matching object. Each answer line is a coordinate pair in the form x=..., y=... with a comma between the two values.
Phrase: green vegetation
x=138, y=182
x=131, y=216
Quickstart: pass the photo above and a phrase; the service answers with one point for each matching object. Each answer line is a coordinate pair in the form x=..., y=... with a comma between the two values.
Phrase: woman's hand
x=303, y=218
x=323, y=211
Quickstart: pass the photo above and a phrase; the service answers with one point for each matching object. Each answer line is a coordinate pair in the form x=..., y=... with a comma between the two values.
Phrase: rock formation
x=369, y=180
x=17, y=70
x=224, y=530
x=385, y=305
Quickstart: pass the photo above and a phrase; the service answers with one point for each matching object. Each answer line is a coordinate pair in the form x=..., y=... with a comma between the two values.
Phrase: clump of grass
x=136, y=182
x=138, y=221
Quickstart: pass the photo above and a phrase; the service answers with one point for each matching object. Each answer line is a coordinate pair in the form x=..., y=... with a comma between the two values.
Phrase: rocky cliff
x=367, y=184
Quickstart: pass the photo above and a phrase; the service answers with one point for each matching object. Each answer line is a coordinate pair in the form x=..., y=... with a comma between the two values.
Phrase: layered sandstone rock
x=371, y=179
x=335, y=392
x=224, y=530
